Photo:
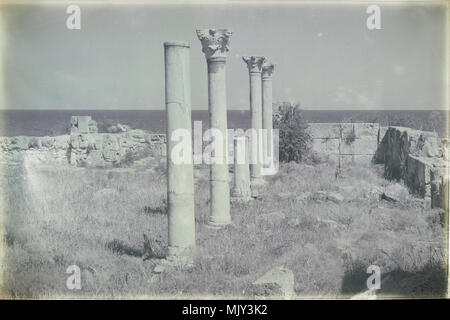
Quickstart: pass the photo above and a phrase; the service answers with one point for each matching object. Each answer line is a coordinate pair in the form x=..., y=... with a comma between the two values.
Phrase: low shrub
x=294, y=139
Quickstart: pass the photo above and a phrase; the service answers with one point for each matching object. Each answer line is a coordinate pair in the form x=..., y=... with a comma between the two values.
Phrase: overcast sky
x=325, y=55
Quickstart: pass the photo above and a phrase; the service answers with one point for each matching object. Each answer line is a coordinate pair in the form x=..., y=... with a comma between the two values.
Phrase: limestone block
x=4, y=143
x=80, y=124
x=19, y=143
x=61, y=142
x=48, y=142
x=367, y=129
x=95, y=158
x=382, y=133
x=324, y=130
x=325, y=146
x=138, y=136
x=110, y=142
x=92, y=125
x=277, y=283
x=359, y=129
x=361, y=146
x=35, y=143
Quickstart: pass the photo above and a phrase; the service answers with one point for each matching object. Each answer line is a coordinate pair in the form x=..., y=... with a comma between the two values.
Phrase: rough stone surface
x=277, y=283
x=90, y=149
x=335, y=197
x=346, y=143
x=325, y=146
x=107, y=149
x=83, y=125
x=395, y=192
x=417, y=158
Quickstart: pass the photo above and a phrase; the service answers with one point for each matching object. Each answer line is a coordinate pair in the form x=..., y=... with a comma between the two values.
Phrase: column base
x=181, y=257
x=236, y=199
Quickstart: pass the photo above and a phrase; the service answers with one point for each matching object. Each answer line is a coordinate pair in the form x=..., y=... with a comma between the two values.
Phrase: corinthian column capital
x=214, y=42
x=267, y=70
x=254, y=64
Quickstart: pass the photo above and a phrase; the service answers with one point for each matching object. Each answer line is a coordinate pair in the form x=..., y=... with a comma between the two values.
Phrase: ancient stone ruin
x=82, y=125
x=84, y=147
x=418, y=158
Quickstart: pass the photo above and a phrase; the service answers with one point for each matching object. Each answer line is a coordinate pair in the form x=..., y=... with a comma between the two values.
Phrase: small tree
x=294, y=142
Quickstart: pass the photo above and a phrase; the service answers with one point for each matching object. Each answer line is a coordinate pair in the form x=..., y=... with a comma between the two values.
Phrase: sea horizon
x=51, y=122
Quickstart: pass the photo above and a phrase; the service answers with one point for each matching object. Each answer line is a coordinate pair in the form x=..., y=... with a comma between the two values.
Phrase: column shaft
x=215, y=47
x=241, y=189
x=180, y=176
x=267, y=101
x=254, y=65
x=217, y=103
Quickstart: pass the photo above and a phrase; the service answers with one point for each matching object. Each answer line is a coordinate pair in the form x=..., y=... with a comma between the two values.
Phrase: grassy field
x=59, y=216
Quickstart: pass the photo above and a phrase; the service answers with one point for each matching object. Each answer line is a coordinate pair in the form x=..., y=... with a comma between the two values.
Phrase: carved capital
x=214, y=42
x=254, y=64
x=267, y=70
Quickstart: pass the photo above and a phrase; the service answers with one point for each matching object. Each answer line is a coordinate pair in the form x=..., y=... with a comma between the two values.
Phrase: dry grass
x=97, y=219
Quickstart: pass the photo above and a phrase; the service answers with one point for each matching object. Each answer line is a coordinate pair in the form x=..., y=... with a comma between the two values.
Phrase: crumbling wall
x=420, y=159
x=345, y=143
x=110, y=149
x=90, y=149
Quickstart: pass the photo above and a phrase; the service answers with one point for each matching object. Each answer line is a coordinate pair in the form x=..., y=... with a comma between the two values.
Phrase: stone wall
x=420, y=159
x=91, y=149
x=345, y=142
x=110, y=149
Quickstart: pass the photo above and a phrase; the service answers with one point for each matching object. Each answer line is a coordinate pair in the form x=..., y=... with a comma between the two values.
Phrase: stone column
x=267, y=70
x=180, y=176
x=215, y=47
x=254, y=65
x=241, y=189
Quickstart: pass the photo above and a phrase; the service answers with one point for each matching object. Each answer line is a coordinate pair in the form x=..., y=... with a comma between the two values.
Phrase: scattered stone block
x=395, y=192
x=277, y=283
x=159, y=269
x=303, y=197
x=335, y=197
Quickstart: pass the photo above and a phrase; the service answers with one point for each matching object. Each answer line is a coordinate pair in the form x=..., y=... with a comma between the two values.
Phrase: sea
x=57, y=122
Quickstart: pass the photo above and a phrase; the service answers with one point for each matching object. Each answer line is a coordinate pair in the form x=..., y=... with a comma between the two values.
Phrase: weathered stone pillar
x=215, y=47
x=254, y=65
x=267, y=70
x=241, y=188
x=180, y=173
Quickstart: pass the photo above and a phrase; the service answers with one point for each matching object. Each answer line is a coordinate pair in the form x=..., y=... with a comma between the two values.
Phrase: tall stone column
x=267, y=70
x=180, y=173
x=215, y=47
x=254, y=65
x=241, y=188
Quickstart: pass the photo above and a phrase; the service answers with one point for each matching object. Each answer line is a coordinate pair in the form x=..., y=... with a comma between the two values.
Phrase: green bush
x=295, y=141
